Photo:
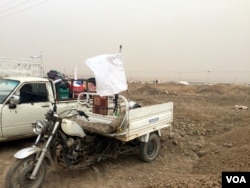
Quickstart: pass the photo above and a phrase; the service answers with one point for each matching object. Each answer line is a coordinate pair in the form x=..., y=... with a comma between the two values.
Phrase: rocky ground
x=209, y=135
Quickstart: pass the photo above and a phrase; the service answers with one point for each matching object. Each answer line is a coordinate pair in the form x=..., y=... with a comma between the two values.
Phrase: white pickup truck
x=35, y=97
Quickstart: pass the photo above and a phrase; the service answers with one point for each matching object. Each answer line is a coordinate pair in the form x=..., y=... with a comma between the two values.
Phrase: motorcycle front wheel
x=19, y=174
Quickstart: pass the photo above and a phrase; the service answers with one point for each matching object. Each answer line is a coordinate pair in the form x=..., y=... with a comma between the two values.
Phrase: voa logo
x=236, y=179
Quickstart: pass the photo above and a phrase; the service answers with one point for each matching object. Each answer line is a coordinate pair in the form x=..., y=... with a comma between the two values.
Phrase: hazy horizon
x=194, y=40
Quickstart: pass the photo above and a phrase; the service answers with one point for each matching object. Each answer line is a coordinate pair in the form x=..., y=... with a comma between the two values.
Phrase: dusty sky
x=191, y=40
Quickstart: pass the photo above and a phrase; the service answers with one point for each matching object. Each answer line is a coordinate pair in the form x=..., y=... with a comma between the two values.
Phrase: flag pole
x=117, y=95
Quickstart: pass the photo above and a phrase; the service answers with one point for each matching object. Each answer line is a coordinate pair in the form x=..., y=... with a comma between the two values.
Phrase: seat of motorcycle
x=101, y=128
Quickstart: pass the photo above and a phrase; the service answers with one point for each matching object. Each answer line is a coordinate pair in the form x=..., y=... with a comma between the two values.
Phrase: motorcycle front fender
x=25, y=152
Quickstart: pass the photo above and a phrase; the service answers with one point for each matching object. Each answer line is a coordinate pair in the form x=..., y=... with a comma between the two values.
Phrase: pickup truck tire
x=148, y=151
x=18, y=175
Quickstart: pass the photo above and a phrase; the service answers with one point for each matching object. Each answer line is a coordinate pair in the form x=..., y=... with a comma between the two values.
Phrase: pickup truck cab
x=25, y=99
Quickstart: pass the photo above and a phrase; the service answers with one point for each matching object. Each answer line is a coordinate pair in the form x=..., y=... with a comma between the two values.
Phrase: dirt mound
x=225, y=89
x=228, y=152
x=146, y=94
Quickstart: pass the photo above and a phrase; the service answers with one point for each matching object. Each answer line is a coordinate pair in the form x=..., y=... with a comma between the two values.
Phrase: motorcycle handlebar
x=82, y=113
x=52, y=115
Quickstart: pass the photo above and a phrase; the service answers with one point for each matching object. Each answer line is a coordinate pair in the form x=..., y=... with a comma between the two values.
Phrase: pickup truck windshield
x=6, y=87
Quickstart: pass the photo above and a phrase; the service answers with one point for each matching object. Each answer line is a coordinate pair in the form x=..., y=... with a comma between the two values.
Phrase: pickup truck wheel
x=149, y=150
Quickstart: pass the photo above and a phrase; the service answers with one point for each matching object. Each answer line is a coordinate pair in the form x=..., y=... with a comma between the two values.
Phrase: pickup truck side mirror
x=14, y=100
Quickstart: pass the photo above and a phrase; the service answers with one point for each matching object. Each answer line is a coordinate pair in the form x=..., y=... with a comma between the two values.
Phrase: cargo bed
x=126, y=124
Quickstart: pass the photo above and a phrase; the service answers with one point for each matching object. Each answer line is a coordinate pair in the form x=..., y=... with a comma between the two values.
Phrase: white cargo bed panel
x=148, y=119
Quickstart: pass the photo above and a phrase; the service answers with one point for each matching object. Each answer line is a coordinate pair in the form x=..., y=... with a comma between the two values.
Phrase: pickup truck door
x=17, y=122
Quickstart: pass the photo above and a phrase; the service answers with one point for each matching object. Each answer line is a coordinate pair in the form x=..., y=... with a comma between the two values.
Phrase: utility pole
x=120, y=50
x=208, y=76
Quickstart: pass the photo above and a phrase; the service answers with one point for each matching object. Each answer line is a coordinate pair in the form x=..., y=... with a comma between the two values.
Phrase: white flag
x=109, y=74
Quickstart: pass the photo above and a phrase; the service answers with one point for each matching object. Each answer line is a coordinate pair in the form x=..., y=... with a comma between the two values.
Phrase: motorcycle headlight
x=39, y=127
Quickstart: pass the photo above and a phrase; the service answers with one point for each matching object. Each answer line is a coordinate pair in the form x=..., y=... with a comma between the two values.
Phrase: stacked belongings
x=55, y=75
x=62, y=86
x=77, y=87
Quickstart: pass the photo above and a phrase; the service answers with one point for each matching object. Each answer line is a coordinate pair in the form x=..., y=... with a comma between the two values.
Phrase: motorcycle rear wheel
x=19, y=173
